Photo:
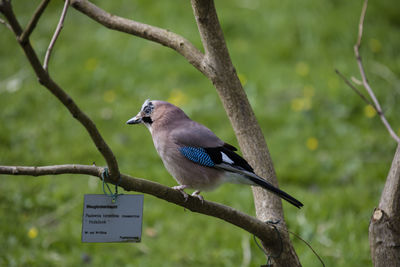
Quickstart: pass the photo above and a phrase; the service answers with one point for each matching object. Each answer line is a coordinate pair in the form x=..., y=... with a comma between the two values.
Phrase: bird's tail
x=264, y=184
x=251, y=178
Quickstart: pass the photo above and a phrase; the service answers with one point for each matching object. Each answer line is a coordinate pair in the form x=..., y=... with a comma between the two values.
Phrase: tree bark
x=384, y=228
x=248, y=132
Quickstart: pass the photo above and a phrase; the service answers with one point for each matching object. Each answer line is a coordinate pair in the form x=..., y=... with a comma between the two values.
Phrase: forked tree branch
x=252, y=225
x=55, y=89
x=364, y=76
x=364, y=79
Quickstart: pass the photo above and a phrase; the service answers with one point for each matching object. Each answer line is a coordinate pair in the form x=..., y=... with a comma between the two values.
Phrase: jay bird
x=194, y=155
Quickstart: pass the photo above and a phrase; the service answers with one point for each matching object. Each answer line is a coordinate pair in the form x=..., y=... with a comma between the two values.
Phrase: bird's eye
x=148, y=109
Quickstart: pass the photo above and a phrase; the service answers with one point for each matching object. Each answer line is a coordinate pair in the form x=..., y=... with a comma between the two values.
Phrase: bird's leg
x=197, y=194
x=181, y=189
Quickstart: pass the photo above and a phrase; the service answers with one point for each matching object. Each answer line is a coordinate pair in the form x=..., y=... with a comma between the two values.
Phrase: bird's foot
x=197, y=194
x=181, y=189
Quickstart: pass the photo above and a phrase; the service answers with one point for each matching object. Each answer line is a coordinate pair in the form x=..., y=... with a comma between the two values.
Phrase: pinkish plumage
x=193, y=154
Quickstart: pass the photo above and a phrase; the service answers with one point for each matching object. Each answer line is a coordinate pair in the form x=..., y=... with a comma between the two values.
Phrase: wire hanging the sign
x=110, y=193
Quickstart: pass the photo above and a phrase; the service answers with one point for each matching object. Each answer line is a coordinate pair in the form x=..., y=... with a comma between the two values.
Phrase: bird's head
x=145, y=114
x=160, y=113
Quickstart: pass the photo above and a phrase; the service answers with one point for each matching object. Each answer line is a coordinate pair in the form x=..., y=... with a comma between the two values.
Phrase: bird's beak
x=135, y=120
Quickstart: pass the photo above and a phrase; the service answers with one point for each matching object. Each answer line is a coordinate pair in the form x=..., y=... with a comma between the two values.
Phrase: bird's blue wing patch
x=197, y=155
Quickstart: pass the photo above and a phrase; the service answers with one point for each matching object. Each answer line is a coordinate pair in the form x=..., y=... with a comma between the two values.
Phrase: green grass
x=326, y=151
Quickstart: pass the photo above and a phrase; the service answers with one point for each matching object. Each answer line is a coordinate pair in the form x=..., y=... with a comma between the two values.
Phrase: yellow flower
x=312, y=143
x=177, y=97
x=109, y=96
x=33, y=232
x=369, y=111
x=302, y=68
x=91, y=64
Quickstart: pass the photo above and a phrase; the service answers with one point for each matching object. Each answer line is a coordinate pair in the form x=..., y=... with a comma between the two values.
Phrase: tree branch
x=34, y=20
x=364, y=77
x=55, y=36
x=384, y=228
x=252, y=225
x=52, y=170
x=248, y=132
x=145, y=31
x=390, y=198
x=55, y=89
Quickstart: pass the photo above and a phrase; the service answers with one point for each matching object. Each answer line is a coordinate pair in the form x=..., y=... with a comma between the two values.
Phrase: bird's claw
x=181, y=189
x=197, y=194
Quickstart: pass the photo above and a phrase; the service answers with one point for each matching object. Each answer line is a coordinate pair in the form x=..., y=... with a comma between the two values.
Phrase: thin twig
x=364, y=77
x=308, y=245
x=32, y=23
x=361, y=24
x=363, y=97
x=6, y=24
x=55, y=36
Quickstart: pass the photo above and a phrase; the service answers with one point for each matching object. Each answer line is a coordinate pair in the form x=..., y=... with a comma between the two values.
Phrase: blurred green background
x=330, y=150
